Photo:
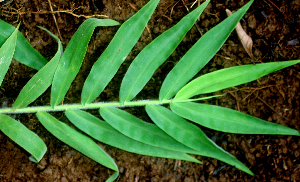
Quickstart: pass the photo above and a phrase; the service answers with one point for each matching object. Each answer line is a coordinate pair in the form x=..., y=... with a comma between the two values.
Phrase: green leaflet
x=200, y=54
x=228, y=120
x=104, y=133
x=156, y=53
x=113, y=177
x=144, y=132
x=76, y=140
x=6, y=53
x=39, y=83
x=27, y=139
x=229, y=77
x=24, y=52
x=115, y=54
x=190, y=135
x=72, y=58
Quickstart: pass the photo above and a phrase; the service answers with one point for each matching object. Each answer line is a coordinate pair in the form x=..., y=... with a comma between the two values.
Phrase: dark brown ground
x=275, y=97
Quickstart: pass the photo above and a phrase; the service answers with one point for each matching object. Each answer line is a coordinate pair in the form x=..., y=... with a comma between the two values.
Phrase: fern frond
x=171, y=135
x=24, y=52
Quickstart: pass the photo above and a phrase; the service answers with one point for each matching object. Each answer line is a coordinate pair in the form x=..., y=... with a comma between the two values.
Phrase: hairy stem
x=96, y=105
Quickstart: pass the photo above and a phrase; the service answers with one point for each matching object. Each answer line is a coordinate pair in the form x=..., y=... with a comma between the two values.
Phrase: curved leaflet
x=103, y=132
x=76, y=140
x=172, y=136
x=144, y=132
x=200, y=54
x=229, y=77
x=72, y=58
x=228, y=120
x=39, y=83
x=190, y=135
x=6, y=53
x=151, y=57
x=115, y=54
x=27, y=139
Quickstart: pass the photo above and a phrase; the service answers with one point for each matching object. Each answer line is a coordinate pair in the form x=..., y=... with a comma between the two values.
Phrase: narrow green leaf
x=228, y=120
x=115, y=54
x=156, y=53
x=229, y=77
x=141, y=131
x=190, y=135
x=200, y=54
x=76, y=140
x=24, y=52
x=113, y=177
x=39, y=83
x=105, y=133
x=72, y=58
x=27, y=139
x=6, y=54
x=144, y=132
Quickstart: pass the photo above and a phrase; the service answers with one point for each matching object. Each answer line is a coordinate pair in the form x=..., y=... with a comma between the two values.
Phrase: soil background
x=274, y=28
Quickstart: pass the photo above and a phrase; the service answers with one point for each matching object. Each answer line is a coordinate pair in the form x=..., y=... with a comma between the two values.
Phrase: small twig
x=277, y=8
x=228, y=58
x=297, y=167
x=55, y=20
x=237, y=100
x=195, y=3
x=256, y=89
x=251, y=90
x=132, y=6
x=137, y=178
x=273, y=4
x=272, y=109
x=170, y=19
x=177, y=164
x=7, y=3
x=71, y=12
x=172, y=9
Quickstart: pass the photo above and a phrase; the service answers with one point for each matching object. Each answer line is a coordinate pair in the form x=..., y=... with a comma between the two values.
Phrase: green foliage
x=72, y=58
x=115, y=54
x=190, y=135
x=24, y=53
x=105, y=133
x=141, y=131
x=229, y=77
x=22, y=136
x=42, y=80
x=171, y=136
x=228, y=120
x=76, y=140
x=7, y=51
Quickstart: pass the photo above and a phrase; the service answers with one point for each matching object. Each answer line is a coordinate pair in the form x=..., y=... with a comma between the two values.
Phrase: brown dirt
x=275, y=97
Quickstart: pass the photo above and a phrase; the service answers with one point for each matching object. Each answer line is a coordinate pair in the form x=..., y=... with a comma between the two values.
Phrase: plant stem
x=80, y=106
x=96, y=105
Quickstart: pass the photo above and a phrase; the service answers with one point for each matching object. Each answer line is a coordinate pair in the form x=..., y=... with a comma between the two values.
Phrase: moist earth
x=274, y=28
